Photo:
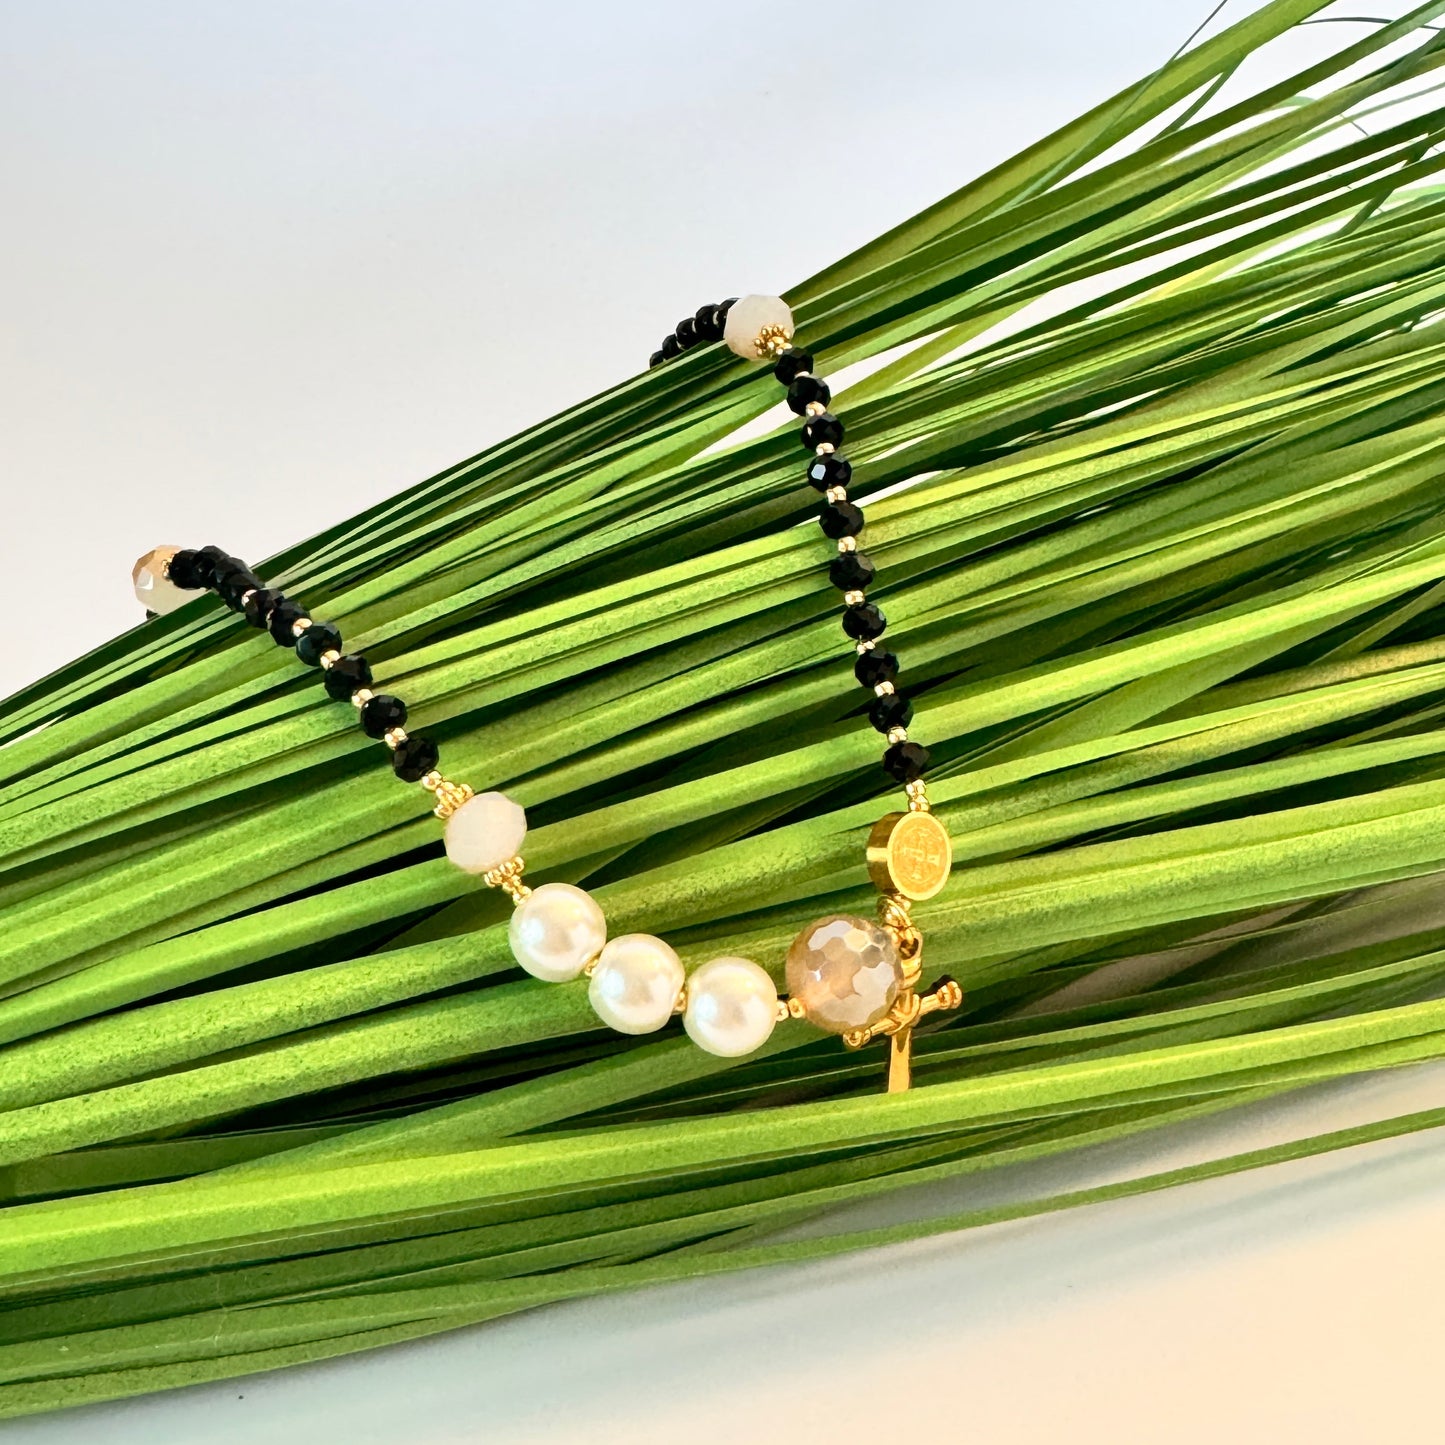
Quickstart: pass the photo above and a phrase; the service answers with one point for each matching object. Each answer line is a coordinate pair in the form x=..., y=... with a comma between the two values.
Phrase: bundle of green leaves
x=1154, y=427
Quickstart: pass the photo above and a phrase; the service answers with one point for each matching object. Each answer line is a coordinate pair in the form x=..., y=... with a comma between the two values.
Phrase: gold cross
x=898, y=1023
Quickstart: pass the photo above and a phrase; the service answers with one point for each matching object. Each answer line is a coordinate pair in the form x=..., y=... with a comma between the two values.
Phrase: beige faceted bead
x=153, y=589
x=749, y=317
x=485, y=832
x=844, y=971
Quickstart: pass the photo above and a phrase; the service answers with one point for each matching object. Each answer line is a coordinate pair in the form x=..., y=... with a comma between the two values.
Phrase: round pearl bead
x=731, y=1007
x=153, y=589
x=845, y=972
x=485, y=832
x=556, y=931
x=748, y=316
x=635, y=985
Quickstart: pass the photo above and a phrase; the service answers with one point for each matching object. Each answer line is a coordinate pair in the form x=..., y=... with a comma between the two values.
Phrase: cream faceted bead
x=731, y=1007
x=556, y=931
x=749, y=317
x=154, y=590
x=635, y=984
x=485, y=832
x=844, y=971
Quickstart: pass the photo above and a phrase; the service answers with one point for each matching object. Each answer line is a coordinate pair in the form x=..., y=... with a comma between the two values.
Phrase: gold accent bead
x=329, y=659
x=909, y=857
x=432, y=781
x=679, y=1005
x=815, y=408
x=824, y=449
x=361, y=697
x=508, y=877
x=847, y=544
x=864, y=644
x=300, y=626
x=836, y=494
x=795, y=1008
x=772, y=341
x=854, y=598
x=884, y=689
x=395, y=738
x=897, y=735
x=917, y=792
x=450, y=797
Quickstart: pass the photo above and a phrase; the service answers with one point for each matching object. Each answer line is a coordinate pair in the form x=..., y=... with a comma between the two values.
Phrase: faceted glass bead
x=708, y=323
x=155, y=589
x=284, y=616
x=656, y=359
x=875, y=667
x=864, y=621
x=749, y=317
x=485, y=832
x=233, y=584
x=686, y=332
x=822, y=430
x=906, y=761
x=805, y=390
x=790, y=363
x=830, y=471
x=845, y=972
x=851, y=571
x=258, y=606
x=892, y=710
x=345, y=675
x=209, y=562
x=183, y=570
x=414, y=758
x=670, y=347
x=381, y=713
x=840, y=519
x=318, y=638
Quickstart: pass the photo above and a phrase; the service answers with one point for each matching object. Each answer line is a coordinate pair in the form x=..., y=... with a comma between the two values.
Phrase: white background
x=263, y=264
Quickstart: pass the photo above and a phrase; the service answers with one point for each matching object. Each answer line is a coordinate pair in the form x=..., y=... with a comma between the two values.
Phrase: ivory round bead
x=556, y=931
x=485, y=832
x=635, y=984
x=748, y=316
x=153, y=589
x=732, y=1006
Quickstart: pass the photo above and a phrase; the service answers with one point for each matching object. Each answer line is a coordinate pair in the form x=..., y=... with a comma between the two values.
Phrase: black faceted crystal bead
x=790, y=362
x=381, y=713
x=825, y=430
x=851, y=571
x=874, y=667
x=284, y=615
x=708, y=322
x=830, y=470
x=414, y=758
x=345, y=675
x=723, y=307
x=805, y=390
x=183, y=570
x=892, y=710
x=906, y=761
x=318, y=638
x=232, y=586
x=864, y=621
x=259, y=604
x=840, y=519
x=209, y=562
x=670, y=347
x=656, y=359
x=686, y=332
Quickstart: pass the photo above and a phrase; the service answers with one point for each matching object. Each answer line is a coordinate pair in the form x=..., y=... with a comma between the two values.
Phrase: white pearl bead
x=746, y=319
x=731, y=1007
x=153, y=589
x=635, y=985
x=556, y=931
x=485, y=832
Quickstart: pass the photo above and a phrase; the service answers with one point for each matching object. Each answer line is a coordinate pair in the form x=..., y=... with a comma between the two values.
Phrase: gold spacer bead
x=329, y=659
x=795, y=1008
x=884, y=689
x=361, y=697
x=824, y=449
x=864, y=644
x=395, y=738
x=897, y=735
x=772, y=341
x=836, y=494
x=679, y=1004
x=450, y=797
x=508, y=877
x=854, y=598
x=847, y=544
x=432, y=781
x=300, y=626
x=815, y=408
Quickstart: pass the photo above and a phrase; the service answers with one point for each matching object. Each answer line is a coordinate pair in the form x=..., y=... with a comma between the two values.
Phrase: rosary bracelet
x=847, y=975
